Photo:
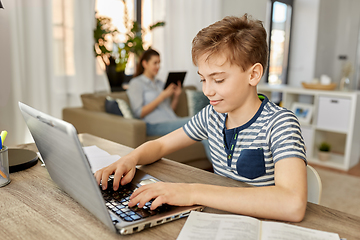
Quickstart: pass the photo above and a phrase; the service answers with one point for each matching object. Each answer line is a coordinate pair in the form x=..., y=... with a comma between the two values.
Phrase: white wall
x=339, y=23
x=303, y=41
x=183, y=20
x=257, y=8
x=328, y=18
x=304, y=32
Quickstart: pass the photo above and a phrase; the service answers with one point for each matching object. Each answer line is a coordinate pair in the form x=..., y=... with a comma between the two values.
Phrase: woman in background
x=150, y=101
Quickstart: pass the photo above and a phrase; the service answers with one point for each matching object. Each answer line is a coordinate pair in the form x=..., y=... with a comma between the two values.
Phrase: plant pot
x=116, y=79
x=324, y=156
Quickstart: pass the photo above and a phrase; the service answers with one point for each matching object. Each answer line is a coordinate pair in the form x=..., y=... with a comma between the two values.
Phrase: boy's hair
x=242, y=40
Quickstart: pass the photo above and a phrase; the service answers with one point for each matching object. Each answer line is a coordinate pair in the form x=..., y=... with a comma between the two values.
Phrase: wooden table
x=33, y=207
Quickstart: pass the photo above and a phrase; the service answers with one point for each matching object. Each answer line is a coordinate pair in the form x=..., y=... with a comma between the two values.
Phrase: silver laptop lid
x=65, y=161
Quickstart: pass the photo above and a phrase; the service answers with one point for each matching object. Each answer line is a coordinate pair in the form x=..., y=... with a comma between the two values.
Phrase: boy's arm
x=285, y=201
x=149, y=152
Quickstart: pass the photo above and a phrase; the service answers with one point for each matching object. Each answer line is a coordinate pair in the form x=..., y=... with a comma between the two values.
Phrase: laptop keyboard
x=117, y=202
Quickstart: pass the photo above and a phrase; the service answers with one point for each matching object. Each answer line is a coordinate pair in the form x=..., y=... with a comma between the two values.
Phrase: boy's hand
x=123, y=169
x=178, y=194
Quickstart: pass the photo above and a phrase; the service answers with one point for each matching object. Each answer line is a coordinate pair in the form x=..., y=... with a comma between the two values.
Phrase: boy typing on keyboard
x=251, y=139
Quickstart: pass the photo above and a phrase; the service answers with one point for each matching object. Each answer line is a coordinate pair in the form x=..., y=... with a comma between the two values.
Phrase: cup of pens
x=4, y=162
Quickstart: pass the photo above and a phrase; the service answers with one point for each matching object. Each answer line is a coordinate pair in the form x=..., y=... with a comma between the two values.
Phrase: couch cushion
x=196, y=101
x=96, y=101
x=120, y=95
x=125, y=108
x=118, y=106
x=182, y=107
x=93, y=101
x=111, y=106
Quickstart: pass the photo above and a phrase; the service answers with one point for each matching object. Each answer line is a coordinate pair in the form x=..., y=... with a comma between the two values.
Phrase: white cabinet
x=335, y=119
x=333, y=113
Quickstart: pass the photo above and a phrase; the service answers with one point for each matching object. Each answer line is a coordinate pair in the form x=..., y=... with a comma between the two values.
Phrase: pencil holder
x=4, y=167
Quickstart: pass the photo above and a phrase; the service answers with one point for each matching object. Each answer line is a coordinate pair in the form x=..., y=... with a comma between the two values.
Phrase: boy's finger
x=97, y=175
x=117, y=177
x=105, y=177
x=128, y=177
x=104, y=180
x=156, y=203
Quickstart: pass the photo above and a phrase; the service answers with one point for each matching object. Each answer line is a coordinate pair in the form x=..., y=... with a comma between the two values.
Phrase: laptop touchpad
x=148, y=181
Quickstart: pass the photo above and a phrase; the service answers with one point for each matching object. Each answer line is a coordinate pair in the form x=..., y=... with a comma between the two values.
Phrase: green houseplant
x=324, y=151
x=114, y=53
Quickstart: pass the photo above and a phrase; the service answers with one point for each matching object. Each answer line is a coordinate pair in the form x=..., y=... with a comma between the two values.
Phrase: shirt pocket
x=251, y=163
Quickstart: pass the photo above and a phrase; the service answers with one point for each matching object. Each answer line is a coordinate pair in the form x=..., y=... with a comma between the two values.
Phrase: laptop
x=62, y=152
x=174, y=77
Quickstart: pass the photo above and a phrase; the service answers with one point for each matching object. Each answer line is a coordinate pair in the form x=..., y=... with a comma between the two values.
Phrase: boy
x=251, y=139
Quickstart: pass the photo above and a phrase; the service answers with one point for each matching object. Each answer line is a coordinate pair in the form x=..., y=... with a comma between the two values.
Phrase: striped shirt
x=271, y=135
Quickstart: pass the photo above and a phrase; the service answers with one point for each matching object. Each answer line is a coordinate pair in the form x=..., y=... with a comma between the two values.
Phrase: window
x=279, y=41
x=139, y=10
x=63, y=37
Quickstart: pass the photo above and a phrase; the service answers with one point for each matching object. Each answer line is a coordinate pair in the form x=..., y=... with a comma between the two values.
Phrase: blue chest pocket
x=251, y=163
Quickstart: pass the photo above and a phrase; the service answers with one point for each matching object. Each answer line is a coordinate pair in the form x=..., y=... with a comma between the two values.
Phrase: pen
x=1, y=172
x=3, y=136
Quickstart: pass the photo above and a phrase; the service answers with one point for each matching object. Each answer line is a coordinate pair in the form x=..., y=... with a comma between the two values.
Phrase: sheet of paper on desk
x=200, y=225
x=99, y=158
x=219, y=226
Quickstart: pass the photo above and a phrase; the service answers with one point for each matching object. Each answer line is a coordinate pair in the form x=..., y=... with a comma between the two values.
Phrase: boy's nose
x=208, y=89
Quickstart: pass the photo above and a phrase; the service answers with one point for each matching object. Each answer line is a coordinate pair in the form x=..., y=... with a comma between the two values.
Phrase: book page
x=209, y=226
x=283, y=231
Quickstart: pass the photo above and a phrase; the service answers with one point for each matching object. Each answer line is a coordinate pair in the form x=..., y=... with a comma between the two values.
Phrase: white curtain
x=30, y=59
x=183, y=19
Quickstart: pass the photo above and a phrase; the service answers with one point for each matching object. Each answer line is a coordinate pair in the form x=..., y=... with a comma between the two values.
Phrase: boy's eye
x=219, y=80
x=202, y=80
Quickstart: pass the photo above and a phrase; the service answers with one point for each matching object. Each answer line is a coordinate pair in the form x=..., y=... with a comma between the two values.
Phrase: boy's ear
x=256, y=72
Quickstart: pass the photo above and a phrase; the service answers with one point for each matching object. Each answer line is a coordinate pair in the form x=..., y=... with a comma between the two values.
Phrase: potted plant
x=324, y=151
x=114, y=53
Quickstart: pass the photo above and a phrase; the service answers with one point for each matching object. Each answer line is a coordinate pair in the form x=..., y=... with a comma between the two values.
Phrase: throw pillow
x=111, y=106
x=124, y=108
x=196, y=101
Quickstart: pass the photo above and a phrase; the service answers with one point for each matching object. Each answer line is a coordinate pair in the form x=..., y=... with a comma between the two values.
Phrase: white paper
x=207, y=226
x=95, y=151
x=99, y=158
x=282, y=231
x=201, y=226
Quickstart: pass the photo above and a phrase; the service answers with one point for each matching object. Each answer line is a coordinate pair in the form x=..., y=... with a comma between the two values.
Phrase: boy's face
x=226, y=85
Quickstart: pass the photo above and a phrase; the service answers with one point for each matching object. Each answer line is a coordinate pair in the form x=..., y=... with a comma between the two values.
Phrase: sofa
x=94, y=119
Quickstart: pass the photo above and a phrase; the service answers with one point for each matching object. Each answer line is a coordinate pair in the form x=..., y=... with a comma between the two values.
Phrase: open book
x=200, y=225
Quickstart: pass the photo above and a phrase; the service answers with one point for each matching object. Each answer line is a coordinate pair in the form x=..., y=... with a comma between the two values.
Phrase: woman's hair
x=242, y=40
x=145, y=57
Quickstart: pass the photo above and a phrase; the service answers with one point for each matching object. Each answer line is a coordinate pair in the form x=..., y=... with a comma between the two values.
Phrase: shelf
x=307, y=125
x=331, y=130
x=335, y=161
x=335, y=119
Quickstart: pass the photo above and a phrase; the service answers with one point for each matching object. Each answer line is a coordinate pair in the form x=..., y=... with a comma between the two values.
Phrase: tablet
x=174, y=77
